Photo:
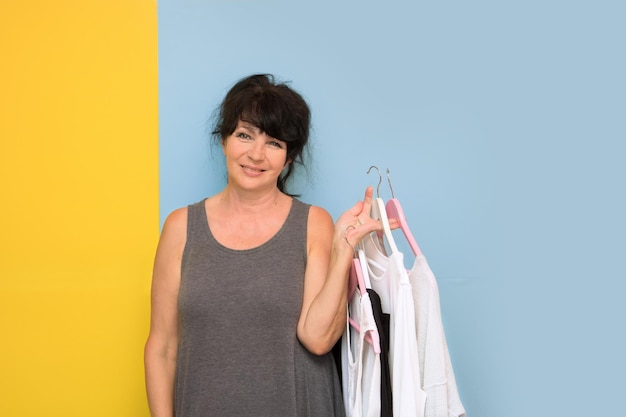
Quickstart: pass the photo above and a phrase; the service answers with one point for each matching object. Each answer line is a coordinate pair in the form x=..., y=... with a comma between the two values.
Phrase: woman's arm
x=330, y=252
x=160, y=349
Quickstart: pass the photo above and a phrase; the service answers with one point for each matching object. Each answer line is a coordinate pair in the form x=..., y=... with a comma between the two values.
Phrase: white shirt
x=436, y=374
x=390, y=280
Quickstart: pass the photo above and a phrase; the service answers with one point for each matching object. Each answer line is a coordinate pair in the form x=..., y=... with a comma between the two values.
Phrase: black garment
x=382, y=324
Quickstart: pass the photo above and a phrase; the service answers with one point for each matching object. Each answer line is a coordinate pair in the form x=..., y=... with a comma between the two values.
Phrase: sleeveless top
x=238, y=353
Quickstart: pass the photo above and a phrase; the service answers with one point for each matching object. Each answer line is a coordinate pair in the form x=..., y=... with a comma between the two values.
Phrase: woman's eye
x=276, y=144
x=242, y=135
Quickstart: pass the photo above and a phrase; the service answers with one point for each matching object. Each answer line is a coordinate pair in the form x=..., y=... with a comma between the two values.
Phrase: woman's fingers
x=367, y=201
x=393, y=223
x=358, y=213
x=356, y=222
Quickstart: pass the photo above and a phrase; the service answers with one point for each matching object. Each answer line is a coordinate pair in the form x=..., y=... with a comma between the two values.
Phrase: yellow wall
x=78, y=204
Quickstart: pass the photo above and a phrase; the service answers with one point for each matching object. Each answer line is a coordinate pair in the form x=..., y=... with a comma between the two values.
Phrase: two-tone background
x=502, y=124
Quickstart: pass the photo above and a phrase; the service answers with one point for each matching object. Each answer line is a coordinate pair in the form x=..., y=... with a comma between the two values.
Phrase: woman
x=250, y=285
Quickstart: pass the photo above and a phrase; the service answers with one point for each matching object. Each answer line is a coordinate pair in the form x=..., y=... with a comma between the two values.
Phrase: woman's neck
x=238, y=201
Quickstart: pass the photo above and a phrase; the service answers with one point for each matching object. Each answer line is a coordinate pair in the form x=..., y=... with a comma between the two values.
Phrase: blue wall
x=503, y=125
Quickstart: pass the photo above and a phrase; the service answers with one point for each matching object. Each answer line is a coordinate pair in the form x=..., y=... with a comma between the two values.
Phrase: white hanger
x=394, y=211
x=379, y=212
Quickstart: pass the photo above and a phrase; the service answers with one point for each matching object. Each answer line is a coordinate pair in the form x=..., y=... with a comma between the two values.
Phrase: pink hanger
x=394, y=211
x=356, y=280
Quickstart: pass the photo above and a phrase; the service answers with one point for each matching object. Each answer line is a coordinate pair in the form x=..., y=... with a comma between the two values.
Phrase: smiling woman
x=253, y=153
x=271, y=108
x=250, y=285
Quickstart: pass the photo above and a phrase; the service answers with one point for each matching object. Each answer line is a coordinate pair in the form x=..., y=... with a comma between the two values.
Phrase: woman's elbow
x=319, y=345
x=159, y=350
x=318, y=349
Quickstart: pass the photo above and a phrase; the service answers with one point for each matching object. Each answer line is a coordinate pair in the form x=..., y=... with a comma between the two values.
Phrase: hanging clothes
x=416, y=376
x=361, y=377
x=390, y=280
x=436, y=373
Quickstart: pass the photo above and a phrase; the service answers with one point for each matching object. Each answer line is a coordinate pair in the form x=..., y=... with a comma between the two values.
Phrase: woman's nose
x=257, y=151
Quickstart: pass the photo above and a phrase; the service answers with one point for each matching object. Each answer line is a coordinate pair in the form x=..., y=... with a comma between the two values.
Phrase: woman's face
x=254, y=160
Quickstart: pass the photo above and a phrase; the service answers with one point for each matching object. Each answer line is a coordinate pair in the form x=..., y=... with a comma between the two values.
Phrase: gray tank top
x=238, y=353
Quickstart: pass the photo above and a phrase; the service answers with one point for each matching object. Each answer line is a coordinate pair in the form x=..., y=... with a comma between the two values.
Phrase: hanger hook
x=380, y=179
x=389, y=181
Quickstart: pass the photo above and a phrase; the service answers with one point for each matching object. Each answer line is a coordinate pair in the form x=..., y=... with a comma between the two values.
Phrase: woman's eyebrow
x=249, y=126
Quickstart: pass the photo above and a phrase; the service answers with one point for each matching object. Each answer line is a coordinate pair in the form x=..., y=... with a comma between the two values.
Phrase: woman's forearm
x=160, y=369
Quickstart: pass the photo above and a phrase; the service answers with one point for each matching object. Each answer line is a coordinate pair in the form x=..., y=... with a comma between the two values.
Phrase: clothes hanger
x=371, y=336
x=359, y=279
x=355, y=276
x=364, y=269
x=359, y=276
x=394, y=211
x=379, y=212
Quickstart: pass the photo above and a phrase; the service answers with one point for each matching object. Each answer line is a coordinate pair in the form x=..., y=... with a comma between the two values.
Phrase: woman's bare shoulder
x=175, y=226
x=320, y=223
